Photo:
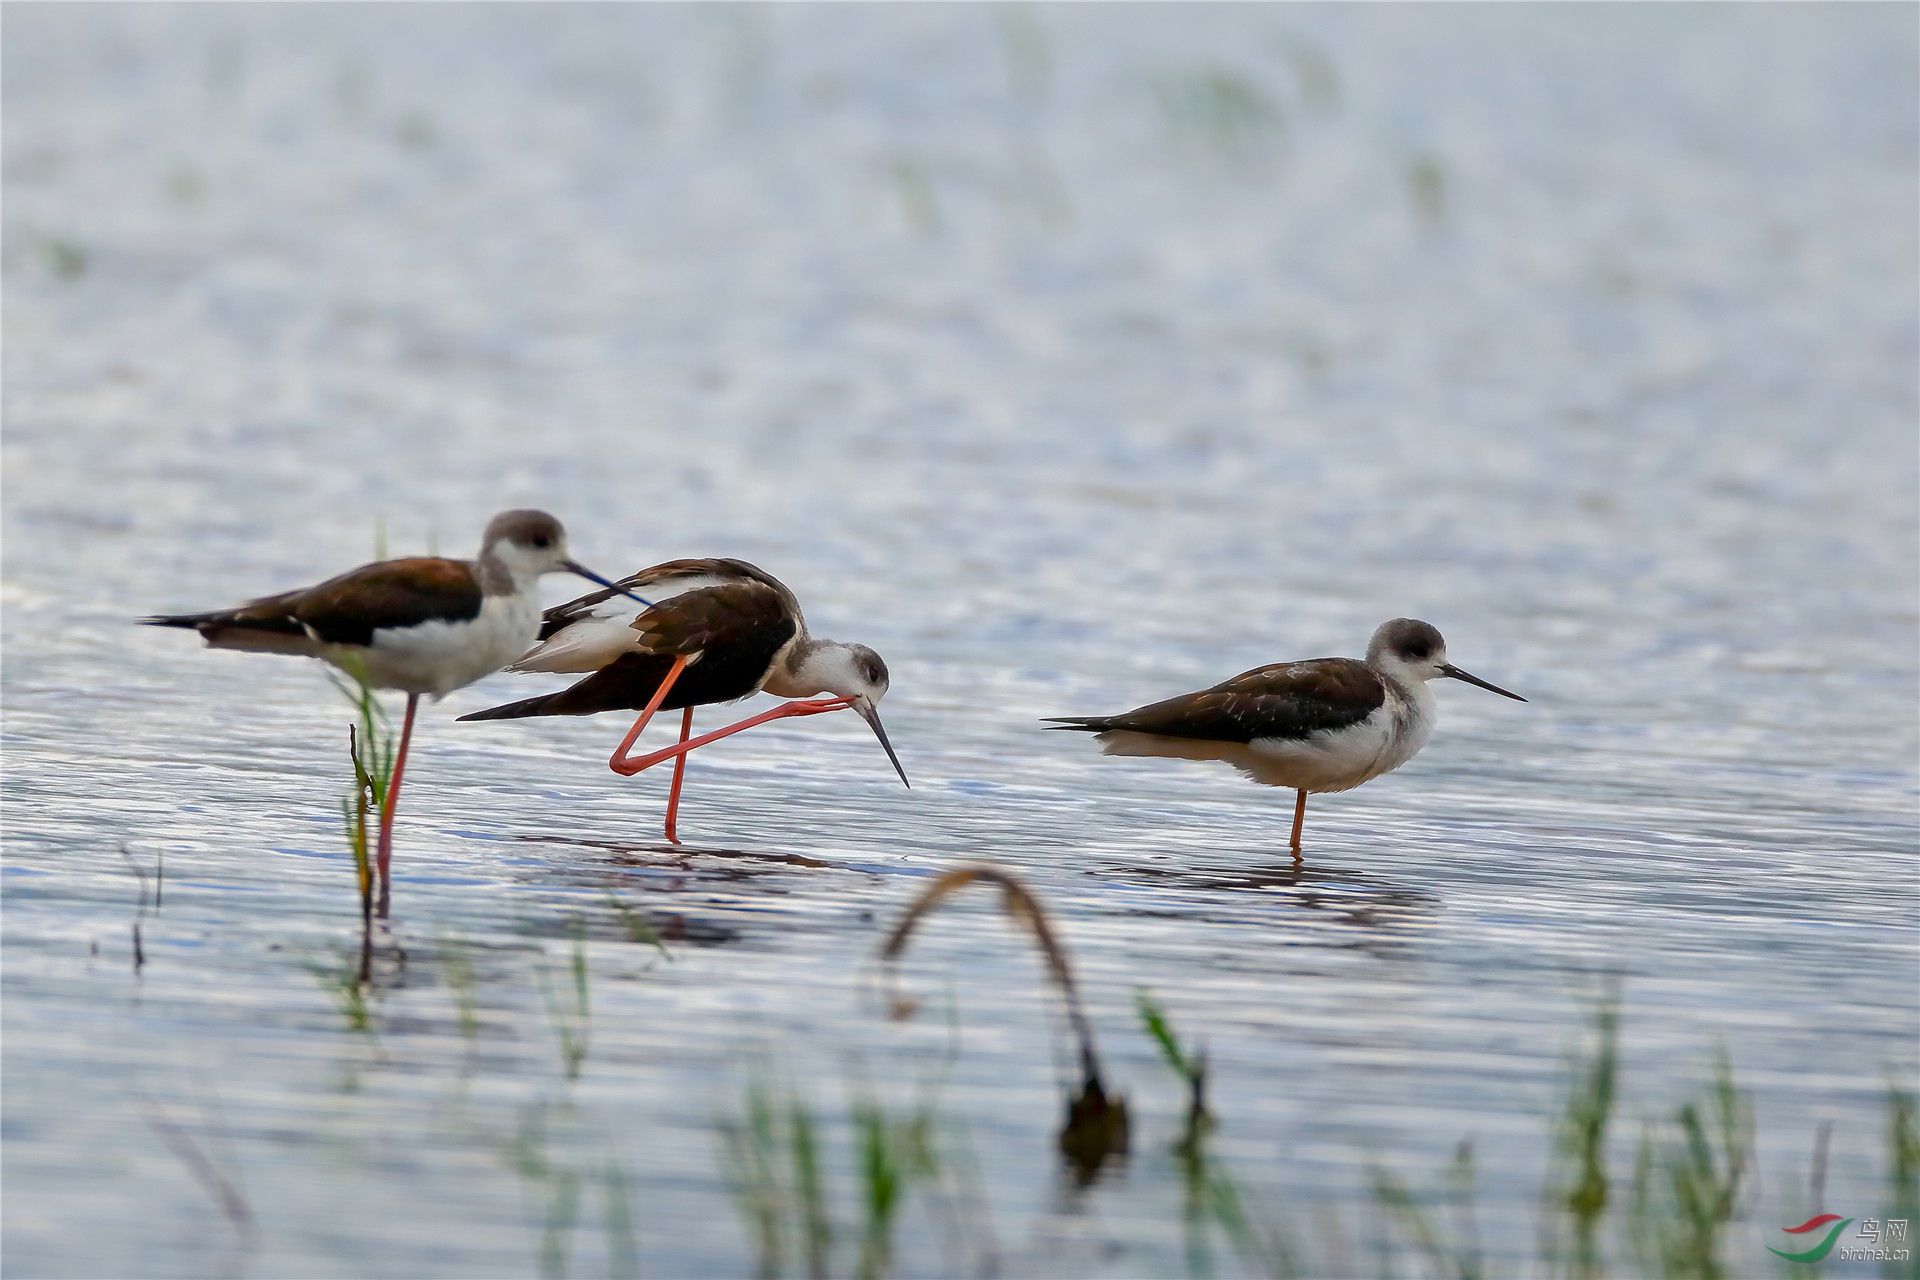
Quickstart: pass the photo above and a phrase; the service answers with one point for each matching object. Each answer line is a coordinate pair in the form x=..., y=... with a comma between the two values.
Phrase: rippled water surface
x=1071, y=358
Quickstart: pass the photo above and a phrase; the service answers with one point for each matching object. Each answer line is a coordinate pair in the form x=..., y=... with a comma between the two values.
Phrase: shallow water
x=1071, y=358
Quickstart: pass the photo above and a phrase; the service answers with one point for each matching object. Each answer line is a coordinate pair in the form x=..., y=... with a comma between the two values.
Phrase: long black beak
x=574, y=566
x=871, y=714
x=1449, y=669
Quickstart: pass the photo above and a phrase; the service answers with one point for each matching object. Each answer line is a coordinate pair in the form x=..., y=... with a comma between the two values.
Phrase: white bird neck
x=498, y=577
x=797, y=672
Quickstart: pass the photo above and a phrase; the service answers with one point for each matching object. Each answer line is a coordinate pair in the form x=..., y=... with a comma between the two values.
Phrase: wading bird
x=719, y=630
x=420, y=625
x=1326, y=724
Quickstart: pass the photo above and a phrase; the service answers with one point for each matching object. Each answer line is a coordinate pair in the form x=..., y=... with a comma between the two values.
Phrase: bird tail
x=259, y=631
x=1090, y=724
x=626, y=684
x=547, y=704
x=192, y=621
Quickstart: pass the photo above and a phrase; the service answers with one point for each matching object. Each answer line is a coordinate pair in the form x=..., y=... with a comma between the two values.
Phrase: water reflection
x=683, y=858
x=1379, y=916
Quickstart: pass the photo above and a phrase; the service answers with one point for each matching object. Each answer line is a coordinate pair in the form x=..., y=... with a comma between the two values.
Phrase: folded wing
x=344, y=610
x=1284, y=700
x=598, y=628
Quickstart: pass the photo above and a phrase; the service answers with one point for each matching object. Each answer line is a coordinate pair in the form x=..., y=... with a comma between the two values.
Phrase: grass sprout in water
x=751, y=1145
x=1903, y=1173
x=639, y=928
x=1025, y=49
x=456, y=965
x=1318, y=79
x=1096, y=1123
x=370, y=749
x=895, y=1153
x=1427, y=184
x=1688, y=1177
x=559, y=1191
x=774, y=1159
x=570, y=1012
x=1448, y=1252
x=1220, y=118
x=1577, y=1186
x=1211, y=1198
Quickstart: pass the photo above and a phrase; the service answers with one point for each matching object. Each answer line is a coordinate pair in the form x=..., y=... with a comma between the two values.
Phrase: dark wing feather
x=725, y=672
x=562, y=615
x=713, y=617
x=1285, y=700
x=393, y=593
x=348, y=609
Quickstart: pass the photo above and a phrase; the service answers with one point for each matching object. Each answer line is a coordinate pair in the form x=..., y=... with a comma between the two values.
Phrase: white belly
x=1340, y=760
x=439, y=657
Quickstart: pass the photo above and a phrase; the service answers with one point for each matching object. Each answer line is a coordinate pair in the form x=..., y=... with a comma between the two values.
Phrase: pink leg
x=629, y=765
x=1299, y=820
x=385, y=860
x=679, y=775
x=620, y=760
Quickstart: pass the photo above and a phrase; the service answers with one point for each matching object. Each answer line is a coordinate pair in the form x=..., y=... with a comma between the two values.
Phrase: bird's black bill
x=1457, y=674
x=872, y=716
x=574, y=566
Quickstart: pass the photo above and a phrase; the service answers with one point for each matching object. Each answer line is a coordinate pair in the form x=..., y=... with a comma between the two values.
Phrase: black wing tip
x=189, y=620
x=1089, y=724
x=505, y=711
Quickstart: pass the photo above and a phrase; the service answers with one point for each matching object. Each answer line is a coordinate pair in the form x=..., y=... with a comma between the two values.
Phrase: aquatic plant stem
x=679, y=776
x=385, y=862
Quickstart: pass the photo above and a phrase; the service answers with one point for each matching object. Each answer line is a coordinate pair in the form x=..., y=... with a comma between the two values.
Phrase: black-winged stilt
x=719, y=630
x=420, y=625
x=1326, y=724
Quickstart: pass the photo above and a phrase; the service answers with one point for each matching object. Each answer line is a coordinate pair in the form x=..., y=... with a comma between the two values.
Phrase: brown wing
x=392, y=593
x=1285, y=700
x=350, y=608
x=659, y=580
x=714, y=617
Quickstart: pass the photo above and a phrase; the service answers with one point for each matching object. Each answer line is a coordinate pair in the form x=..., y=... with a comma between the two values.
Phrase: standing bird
x=1326, y=724
x=422, y=625
x=719, y=630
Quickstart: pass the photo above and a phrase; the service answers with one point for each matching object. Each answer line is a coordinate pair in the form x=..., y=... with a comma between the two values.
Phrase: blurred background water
x=1072, y=358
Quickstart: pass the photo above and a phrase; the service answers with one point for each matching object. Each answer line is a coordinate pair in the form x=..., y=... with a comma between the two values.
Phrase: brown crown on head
x=525, y=528
x=1407, y=639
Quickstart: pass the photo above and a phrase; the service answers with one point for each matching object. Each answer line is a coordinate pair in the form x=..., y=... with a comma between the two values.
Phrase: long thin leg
x=1299, y=819
x=679, y=775
x=630, y=765
x=385, y=859
x=619, y=762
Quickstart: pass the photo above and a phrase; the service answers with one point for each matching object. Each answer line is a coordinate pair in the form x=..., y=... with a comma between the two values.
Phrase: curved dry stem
x=1019, y=905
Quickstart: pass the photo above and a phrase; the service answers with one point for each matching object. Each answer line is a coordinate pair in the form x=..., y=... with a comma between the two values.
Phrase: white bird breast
x=439, y=657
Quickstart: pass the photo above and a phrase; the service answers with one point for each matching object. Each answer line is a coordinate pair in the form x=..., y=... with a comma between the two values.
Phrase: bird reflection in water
x=1362, y=912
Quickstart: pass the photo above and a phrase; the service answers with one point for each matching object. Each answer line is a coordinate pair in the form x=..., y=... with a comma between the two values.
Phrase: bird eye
x=541, y=541
x=1419, y=652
